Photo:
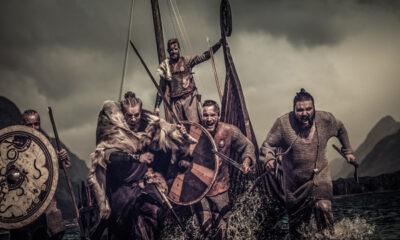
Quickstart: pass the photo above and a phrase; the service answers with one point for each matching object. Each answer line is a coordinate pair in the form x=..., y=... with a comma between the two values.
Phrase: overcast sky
x=69, y=54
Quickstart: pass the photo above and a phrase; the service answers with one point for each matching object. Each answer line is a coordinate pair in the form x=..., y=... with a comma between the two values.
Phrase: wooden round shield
x=28, y=175
x=189, y=185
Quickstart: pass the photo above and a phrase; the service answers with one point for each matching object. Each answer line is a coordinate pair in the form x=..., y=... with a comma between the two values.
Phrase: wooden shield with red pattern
x=190, y=184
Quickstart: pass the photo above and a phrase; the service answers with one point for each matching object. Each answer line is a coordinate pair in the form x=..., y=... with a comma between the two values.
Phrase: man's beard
x=309, y=119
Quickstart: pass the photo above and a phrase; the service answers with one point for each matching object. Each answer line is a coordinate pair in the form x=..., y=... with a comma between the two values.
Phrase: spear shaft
x=67, y=177
x=166, y=102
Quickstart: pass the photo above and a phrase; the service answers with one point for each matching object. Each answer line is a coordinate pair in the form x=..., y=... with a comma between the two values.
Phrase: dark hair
x=29, y=112
x=208, y=103
x=130, y=100
x=303, y=95
x=172, y=41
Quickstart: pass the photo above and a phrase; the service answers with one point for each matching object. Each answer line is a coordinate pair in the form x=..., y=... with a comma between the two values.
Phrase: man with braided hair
x=176, y=73
x=49, y=225
x=125, y=186
x=303, y=134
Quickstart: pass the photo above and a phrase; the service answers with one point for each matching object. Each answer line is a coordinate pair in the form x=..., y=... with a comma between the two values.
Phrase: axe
x=355, y=164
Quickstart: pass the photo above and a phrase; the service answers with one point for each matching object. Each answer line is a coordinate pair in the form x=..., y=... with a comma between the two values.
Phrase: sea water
x=362, y=216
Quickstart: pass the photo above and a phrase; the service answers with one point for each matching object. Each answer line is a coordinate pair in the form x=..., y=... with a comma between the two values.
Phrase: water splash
x=346, y=228
x=254, y=216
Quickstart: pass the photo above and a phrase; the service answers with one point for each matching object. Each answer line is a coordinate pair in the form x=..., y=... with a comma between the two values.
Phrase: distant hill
x=384, y=157
x=11, y=115
x=385, y=127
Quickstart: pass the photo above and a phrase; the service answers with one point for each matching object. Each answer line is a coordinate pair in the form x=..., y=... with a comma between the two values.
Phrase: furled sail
x=233, y=106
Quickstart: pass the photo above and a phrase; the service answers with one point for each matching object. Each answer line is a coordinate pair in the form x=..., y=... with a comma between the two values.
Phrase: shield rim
x=208, y=134
x=50, y=196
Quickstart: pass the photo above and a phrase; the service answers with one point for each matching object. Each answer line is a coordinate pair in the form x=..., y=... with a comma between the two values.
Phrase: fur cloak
x=113, y=132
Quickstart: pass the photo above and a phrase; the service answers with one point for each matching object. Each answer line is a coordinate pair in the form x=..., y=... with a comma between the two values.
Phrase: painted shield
x=190, y=184
x=28, y=175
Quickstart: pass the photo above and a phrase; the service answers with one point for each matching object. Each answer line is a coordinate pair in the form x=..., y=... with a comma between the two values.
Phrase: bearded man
x=176, y=73
x=214, y=210
x=303, y=134
x=49, y=225
x=125, y=187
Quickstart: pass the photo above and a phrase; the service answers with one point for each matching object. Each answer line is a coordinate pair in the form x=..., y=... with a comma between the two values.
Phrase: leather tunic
x=182, y=79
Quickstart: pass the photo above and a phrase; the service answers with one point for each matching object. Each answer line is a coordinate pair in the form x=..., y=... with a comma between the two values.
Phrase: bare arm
x=196, y=59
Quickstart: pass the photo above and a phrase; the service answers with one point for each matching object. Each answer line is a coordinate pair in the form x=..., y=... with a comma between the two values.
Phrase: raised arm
x=196, y=59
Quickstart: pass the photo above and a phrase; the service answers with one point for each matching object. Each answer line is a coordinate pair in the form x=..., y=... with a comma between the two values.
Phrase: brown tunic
x=227, y=138
x=300, y=179
x=179, y=75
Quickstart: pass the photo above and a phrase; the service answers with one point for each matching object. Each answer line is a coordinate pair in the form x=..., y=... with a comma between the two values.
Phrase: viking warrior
x=125, y=187
x=213, y=210
x=49, y=225
x=303, y=134
x=176, y=73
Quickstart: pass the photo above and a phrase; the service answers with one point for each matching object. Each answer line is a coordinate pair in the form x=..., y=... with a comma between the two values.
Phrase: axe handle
x=343, y=155
x=67, y=177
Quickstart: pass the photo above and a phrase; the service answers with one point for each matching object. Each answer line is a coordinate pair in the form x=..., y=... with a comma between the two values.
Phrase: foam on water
x=255, y=216
x=346, y=228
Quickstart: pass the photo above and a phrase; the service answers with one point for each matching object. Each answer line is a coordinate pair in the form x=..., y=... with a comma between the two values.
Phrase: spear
x=164, y=197
x=67, y=177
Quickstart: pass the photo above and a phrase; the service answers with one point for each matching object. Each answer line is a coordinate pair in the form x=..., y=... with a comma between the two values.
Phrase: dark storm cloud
x=46, y=40
x=309, y=23
x=69, y=54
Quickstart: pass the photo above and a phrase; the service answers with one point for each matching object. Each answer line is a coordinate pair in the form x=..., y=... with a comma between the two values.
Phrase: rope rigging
x=126, y=51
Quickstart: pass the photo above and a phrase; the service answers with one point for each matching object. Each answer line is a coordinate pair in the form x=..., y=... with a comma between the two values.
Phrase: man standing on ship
x=176, y=73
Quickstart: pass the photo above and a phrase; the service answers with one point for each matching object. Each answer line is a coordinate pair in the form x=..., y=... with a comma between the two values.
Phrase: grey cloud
x=69, y=54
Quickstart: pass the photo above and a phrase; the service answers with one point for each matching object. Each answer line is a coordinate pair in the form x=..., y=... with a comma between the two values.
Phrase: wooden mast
x=160, y=49
x=158, y=30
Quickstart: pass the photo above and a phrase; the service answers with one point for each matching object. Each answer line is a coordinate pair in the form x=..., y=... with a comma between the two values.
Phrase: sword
x=355, y=164
x=228, y=159
x=170, y=208
x=155, y=83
